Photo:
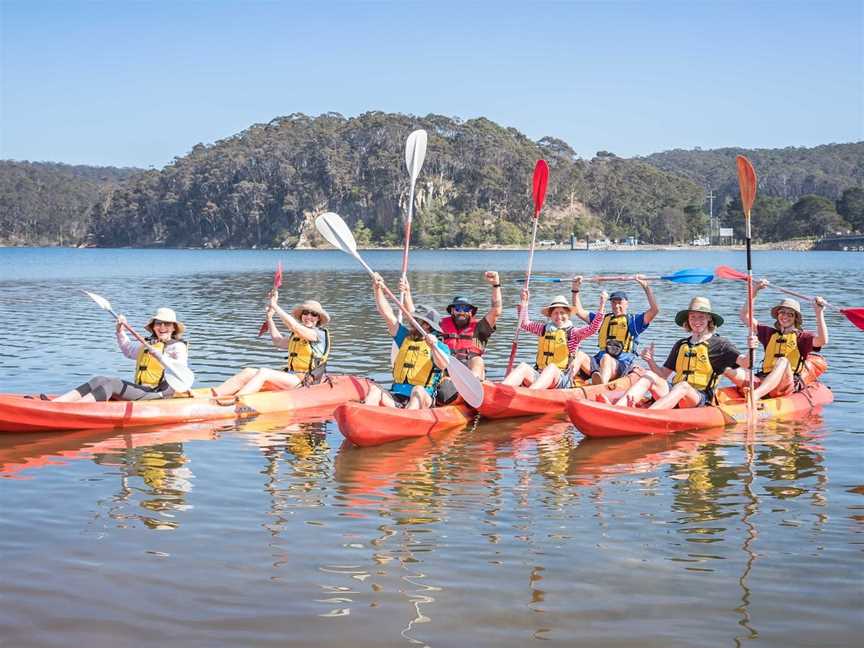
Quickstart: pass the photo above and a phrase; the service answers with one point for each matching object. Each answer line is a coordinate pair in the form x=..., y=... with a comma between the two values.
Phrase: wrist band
x=574, y=291
x=496, y=285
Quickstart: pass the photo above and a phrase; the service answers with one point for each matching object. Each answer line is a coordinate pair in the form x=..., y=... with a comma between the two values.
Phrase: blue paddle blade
x=691, y=276
x=541, y=280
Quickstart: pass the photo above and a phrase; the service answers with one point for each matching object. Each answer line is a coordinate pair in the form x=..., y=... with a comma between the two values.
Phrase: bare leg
x=374, y=396
x=272, y=378
x=608, y=369
x=420, y=399
x=235, y=383
x=522, y=375
x=779, y=380
x=649, y=381
x=477, y=367
x=548, y=378
x=682, y=395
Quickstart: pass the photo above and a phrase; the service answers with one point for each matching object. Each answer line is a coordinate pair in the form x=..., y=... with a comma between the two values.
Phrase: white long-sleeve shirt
x=130, y=349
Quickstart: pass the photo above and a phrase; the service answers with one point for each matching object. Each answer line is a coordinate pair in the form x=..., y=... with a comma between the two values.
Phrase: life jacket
x=693, y=366
x=148, y=371
x=302, y=357
x=783, y=345
x=414, y=365
x=552, y=347
x=462, y=342
x=615, y=327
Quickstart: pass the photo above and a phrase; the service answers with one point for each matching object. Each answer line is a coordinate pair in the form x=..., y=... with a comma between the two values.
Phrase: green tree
x=851, y=207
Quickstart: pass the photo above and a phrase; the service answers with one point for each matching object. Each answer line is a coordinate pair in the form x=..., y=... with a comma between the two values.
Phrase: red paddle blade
x=746, y=183
x=277, y=277
x=725, y=272
x=541, y=179
x=854, y=315
x=264, y=328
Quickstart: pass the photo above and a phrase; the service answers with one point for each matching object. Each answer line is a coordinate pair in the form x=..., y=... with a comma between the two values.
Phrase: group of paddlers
x=694, y=364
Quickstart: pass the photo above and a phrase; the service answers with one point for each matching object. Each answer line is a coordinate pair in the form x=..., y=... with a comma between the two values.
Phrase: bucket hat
x=166, y=315
x=791, y=304
x=558, y=302
x=315, y=307
x=428, y=315
x=461, y=301
x=698, y=305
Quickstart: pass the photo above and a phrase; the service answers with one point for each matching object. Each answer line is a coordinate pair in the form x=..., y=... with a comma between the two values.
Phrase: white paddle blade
x=331, y=226
x=180, y=379
x=415, y=153
x=103, y=303
x=466, y=383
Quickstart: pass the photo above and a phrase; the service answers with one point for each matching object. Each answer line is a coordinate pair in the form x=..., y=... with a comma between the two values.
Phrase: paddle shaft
x=751, y=352
x=407, y=244
x=524, y=311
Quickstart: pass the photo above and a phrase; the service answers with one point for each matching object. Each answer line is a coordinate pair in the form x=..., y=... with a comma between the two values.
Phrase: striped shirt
x=575, y=336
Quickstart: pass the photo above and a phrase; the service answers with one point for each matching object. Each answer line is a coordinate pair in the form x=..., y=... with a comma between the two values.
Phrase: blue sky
x=137, y=83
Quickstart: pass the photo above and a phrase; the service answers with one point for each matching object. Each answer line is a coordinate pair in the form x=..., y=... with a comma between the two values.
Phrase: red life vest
x=461, y=342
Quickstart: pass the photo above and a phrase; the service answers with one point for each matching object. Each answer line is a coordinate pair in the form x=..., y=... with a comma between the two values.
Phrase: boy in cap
x=789, y=363
x=618, y=338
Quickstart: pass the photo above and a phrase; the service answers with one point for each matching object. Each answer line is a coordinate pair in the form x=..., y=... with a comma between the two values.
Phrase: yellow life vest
x=615, y=327
x=552, y=348
x=148, y=371
x=783, y=345
x=413, y=363
x=693, y=366
x=302, y=357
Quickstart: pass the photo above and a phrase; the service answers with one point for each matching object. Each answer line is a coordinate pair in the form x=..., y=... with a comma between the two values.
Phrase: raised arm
x=441, y=359
x=297, y=327
x=405, y=289
x=653, y=308
x=647, y=354
x=383, y=305
x=821, y=337
x=759, y=285
x=497, y=304
x=578, y=309
x=127, y=347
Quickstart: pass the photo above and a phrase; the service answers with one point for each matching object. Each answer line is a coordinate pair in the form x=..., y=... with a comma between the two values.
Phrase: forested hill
x=46, y=203
x=263, y=187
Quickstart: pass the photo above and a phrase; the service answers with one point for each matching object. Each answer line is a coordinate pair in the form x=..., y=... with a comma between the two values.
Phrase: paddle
x=854, y=315
x=277, y=284
x=415, y=153
x=540, y=180
x=178, y=377
x=686, y=276
x=336, y=232
x=747, y=186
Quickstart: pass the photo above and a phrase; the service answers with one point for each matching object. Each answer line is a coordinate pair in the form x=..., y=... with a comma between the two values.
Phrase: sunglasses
x=308, y=312
x=461, y=308
x=161, y=323
x=787, y=313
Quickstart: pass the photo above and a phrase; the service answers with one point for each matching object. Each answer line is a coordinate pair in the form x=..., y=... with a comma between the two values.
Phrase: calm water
x=274, y=532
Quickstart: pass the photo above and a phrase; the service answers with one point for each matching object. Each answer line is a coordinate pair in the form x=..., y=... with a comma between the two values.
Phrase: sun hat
x=461, y=301
x=698, y=305
x=166, y=315
x=429, y=315
x=791, y=304
x=558, y=302
x=315, y=307
x=618, y=294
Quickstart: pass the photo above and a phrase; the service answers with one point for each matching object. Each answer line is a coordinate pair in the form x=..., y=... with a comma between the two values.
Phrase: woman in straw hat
x=558, y=354
x=696, y=362
x=308, y=347
x=149, y=382
x=790, y=362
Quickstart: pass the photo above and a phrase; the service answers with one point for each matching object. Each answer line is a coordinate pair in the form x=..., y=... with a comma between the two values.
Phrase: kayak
x=503, y=401
x=371, y=425
x=20, y=414
x=596, y=419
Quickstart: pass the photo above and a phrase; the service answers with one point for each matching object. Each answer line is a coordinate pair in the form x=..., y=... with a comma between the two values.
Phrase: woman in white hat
x=558, y=355
x=149, y=382
x=790, y=362
x=696, y=362
x=308, y=347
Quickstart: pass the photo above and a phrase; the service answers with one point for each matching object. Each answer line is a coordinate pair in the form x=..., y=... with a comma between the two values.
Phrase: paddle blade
x=103, y=303
x=854, y=315
x=277, y=277
x=415, y=153
x=180, y=379
x=691, y=276
x=336, y=232
x=725, y=272
x=746, y=183
x=466, y=383
x=541, y=179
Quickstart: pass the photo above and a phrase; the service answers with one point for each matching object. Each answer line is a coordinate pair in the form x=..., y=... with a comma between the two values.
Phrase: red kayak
x=503, y=401
x=595, y=419
x=368, y=425
x=20, y=414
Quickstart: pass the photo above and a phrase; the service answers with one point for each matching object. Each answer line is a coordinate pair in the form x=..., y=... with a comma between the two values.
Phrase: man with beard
x=619, y=333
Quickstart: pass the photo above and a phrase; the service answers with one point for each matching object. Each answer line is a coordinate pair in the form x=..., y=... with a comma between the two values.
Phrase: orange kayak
x=595, y=419
x=19, y=414
x=503, y=401
x=371, y=425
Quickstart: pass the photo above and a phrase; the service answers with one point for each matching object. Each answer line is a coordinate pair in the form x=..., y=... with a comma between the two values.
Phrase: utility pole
x=713, y=229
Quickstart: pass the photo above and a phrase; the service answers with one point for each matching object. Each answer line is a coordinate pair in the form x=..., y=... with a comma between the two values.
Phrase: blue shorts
x=626, y=362
x=565, y=381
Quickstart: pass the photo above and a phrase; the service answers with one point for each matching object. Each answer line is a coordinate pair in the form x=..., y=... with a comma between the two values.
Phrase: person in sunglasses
x=421, y=357
x=308, y=347
x=149, y=381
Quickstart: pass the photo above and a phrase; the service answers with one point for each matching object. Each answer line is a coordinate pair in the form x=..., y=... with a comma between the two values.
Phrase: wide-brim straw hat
x=698, y=305
x=791, y=304
x=428, y=315
x=166, y=315
x=315, y=307
x=558, y=302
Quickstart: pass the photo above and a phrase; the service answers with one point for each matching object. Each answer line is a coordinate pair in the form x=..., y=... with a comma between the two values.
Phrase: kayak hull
x=19, y=414
x=370, y=425
x=504, y=401
x=595, y=419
